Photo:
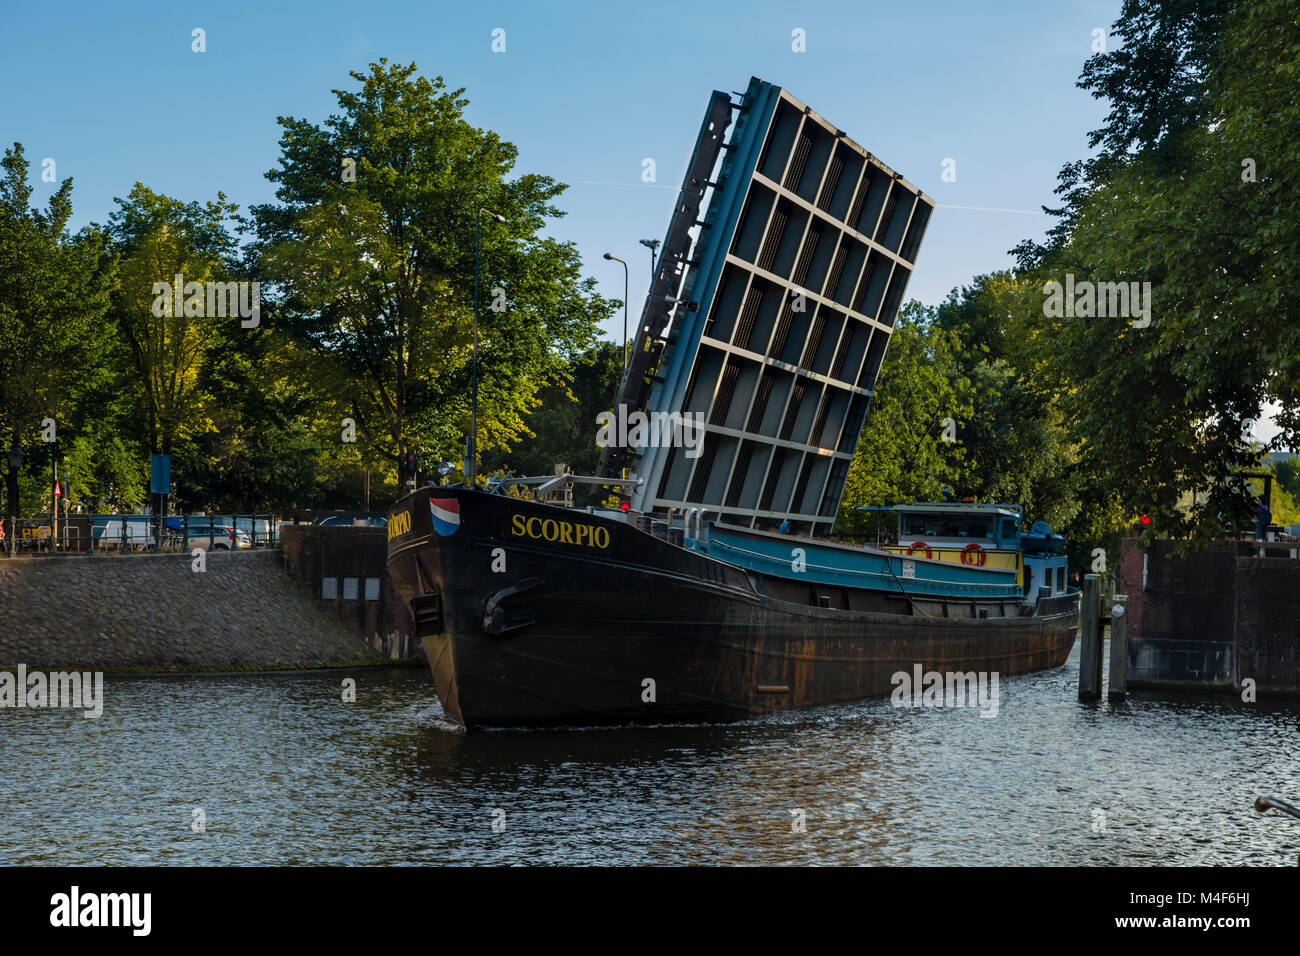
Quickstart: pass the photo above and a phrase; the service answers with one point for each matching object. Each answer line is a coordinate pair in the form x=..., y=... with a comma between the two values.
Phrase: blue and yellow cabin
x=987, y=535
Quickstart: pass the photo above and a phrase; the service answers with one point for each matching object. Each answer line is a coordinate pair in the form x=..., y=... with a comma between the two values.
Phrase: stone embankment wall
x=155, y=613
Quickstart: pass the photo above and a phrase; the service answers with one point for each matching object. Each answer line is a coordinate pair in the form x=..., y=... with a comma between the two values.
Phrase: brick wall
x=1130, y=583
x=1184, y=597
x=346, y=557
x=1213, y=617
x=1268, y=622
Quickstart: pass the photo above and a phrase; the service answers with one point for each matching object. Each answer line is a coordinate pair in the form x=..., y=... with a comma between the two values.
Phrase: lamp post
x=652, y=245
x=617, y=259
x=473, y=408
x=16, y=456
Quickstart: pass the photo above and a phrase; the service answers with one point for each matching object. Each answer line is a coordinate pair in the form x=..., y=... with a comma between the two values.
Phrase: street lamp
x=473, y=408
x=16, y=456
x=617, y=259
x=652, y=245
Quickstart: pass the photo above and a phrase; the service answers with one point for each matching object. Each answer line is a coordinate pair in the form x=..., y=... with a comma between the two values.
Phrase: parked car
x=204, y=533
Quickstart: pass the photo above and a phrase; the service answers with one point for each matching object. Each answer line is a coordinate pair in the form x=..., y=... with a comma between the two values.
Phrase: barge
x=704, y=582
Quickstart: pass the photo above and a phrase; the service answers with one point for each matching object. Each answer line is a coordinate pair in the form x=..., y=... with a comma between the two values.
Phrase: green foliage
x=564, y=423
x=104, y=473
x=1154, y=79
x=1193, y=193
x=902, y=455
x=157, y=238
x=377, y=275
x=371, y=320
x=53, y=295
x=1017, y=449
x=968, y=360
x=1288, y=475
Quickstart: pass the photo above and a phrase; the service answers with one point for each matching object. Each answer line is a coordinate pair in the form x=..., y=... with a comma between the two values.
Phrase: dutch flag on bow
x=446, y=515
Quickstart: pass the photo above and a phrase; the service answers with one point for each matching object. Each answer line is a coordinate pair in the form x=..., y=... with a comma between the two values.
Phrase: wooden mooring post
x=1090, y=634
x=1118, y=678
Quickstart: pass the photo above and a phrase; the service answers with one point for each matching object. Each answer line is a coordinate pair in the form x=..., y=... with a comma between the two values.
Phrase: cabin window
x=937, y=527
x=1008, y=527
x=919, y=525
x=1060, y=578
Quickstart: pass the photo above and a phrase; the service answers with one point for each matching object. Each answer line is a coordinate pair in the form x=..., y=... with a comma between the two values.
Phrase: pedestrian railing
x=127, y=534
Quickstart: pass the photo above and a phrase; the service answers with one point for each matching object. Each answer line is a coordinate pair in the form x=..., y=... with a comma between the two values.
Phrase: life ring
x=918, y=546
x=972, y=554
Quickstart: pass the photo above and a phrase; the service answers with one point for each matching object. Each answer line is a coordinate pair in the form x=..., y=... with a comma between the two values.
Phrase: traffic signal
x=409, y=462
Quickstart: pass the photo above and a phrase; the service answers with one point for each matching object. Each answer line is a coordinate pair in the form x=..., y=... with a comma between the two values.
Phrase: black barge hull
x=535, y=615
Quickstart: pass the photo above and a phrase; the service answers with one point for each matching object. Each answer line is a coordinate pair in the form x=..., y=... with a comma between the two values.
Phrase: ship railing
x=546, y=486
x=890, y=574
x=943, y=551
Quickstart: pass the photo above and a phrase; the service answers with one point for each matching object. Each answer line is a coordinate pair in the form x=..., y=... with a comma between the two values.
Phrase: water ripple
x=286, y=772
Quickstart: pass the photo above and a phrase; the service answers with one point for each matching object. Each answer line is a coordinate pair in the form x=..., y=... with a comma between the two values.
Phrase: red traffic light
x=1144, y=519
x=624, y=506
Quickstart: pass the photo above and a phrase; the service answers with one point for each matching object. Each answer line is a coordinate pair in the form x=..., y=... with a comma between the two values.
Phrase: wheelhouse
x=989, y=535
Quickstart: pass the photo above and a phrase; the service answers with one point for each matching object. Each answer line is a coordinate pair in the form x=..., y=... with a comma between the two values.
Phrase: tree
x=563, y=426
x=104, y=471
x=53, y=297
x=156, y=239
x=1192, y=193
x=1155, y=82
x=1017, y=450
x=903, y=454
x=1288, y=475
x=372, y=251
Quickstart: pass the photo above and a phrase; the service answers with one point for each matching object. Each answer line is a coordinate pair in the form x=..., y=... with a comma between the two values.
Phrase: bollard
x=1090, y=634
x=1118, y=648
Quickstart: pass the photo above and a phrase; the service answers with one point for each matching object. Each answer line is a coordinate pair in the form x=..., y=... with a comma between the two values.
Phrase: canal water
x=283, y=771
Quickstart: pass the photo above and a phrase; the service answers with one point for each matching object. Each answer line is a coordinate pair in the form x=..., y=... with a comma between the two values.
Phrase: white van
x=139, y=533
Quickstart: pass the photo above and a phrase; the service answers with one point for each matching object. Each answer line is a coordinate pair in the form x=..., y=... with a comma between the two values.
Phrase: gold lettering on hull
x=399, y=525
x=562, y=532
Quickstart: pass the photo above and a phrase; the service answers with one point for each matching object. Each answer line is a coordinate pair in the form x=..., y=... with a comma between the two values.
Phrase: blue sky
x=114, y=94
